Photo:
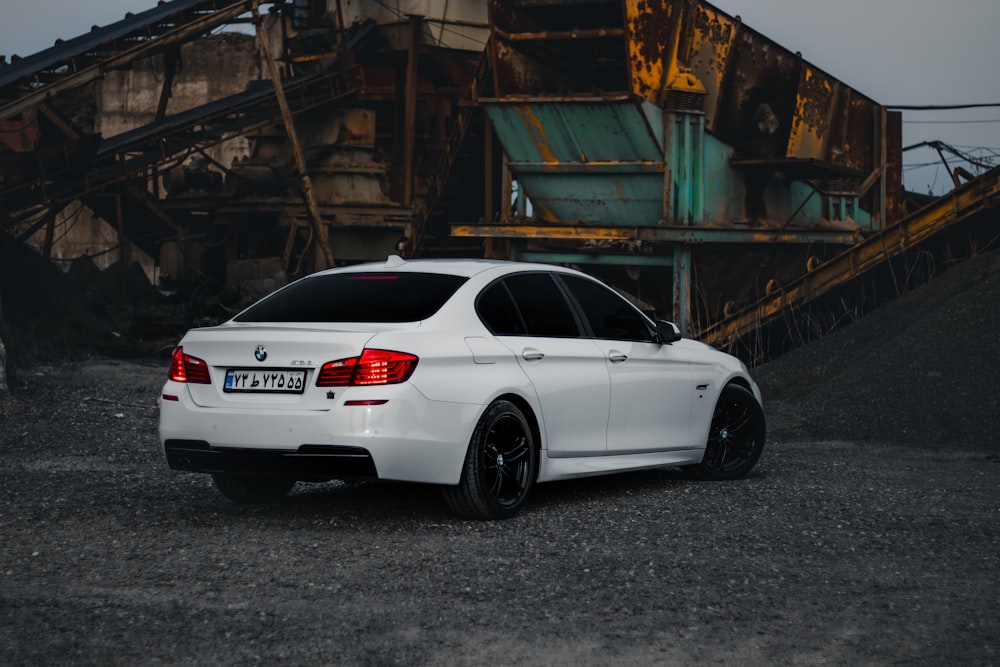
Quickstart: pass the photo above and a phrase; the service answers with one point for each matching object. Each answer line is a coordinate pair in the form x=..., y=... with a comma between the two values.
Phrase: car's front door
x=652, y=386
x=651, y=397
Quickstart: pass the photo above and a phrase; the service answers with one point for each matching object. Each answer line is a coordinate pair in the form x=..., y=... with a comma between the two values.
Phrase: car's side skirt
x=552, y=469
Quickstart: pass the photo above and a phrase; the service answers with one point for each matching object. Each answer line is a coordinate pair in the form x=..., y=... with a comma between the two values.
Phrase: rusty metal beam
x=410, y=109
x=488, y=184
x=663, y=234
x=153, y=206
x=170, y=61
x=981, y=194
x=322, y=239
x=591, y=258
x=546, y=35
x=124, y=249
x=43, y=219
x=58, y=121
x=682, y=287
x=50, y=230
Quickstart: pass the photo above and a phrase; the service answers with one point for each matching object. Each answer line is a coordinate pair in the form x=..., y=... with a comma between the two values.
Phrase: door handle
x=531, y=354
x=617, y=357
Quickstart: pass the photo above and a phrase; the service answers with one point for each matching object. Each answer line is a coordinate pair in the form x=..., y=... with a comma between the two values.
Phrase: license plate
x=271, y=381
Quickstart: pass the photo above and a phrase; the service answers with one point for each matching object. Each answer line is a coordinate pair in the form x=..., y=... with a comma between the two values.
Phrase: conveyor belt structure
x=978, y=199
x=71, y=63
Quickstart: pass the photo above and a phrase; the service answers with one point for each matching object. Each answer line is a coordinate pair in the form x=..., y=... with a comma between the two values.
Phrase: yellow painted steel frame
x=660, y=234
x=974, y=197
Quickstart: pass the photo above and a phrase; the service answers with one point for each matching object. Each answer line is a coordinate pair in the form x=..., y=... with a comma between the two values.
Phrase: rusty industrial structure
x=704, y=170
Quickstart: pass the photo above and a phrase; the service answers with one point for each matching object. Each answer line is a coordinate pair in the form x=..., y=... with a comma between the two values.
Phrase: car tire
x=250, y=490
x=500, y=466
x=735, y=437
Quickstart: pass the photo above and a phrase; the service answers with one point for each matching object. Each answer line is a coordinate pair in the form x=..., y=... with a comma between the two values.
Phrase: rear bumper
x=310, y=463
x=406, y=439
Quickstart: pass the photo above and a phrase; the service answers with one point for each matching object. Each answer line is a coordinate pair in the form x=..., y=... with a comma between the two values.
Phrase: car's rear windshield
x=357, y=297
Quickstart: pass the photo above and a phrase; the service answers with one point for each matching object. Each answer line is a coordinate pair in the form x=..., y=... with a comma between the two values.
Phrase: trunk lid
x=271, y=355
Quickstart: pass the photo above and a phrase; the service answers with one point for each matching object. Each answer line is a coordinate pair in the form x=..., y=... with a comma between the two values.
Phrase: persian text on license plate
x=272, y=381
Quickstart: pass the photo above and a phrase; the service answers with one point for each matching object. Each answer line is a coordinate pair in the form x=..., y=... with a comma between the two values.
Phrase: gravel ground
x=869, y=533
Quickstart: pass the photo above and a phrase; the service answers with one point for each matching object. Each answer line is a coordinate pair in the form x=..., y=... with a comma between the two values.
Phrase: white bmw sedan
x=483, y=377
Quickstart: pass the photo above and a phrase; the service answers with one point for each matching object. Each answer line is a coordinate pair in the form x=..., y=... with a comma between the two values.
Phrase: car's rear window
x=357, y=297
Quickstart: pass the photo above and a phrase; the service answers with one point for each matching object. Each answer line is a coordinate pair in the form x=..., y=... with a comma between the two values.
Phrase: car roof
x=457, y=267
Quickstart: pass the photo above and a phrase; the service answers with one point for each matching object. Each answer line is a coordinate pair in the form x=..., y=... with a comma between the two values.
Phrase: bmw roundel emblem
x=260, y=353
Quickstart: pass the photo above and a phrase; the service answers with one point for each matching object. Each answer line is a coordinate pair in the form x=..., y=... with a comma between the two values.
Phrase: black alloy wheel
x=735, y=436
x=500, y=466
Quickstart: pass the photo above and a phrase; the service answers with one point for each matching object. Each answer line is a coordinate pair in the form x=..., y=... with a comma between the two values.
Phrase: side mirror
x=667, y=332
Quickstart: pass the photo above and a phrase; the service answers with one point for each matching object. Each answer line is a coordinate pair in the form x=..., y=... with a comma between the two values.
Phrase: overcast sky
x=913, y=52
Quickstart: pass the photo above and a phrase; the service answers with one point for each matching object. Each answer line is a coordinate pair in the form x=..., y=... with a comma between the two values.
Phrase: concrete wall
x=210, y=68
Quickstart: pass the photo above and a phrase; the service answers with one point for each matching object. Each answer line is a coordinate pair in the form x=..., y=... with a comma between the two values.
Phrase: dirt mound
x=43, y=310
x=48, y=314
x=921, y=371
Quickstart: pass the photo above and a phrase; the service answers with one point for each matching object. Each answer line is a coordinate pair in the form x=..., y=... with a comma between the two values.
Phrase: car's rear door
x=529, y=313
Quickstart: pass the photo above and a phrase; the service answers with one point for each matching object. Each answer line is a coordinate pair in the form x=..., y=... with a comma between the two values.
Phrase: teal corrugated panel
x=597, y=161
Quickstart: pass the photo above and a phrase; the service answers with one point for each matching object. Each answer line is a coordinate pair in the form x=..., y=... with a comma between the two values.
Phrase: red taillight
x=336, y=373
x=384, y=367
x=185, y=368
x=372, y=367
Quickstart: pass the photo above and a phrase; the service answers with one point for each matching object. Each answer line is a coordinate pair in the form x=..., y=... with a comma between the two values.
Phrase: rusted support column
x=506, y=190
x=488, y=184
x=881, y=160
x=893, y=168
x=319, y=225
x=124, y=249
x=489, y=242
x=50, y=232
x=170, y=60
x=342, y=34
x=293, y=230
x=682, y=287
x=410, y=110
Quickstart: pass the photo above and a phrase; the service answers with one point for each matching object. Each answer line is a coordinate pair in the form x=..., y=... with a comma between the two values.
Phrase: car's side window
x=542, y=305
x=497, y=311
x=608, y=314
